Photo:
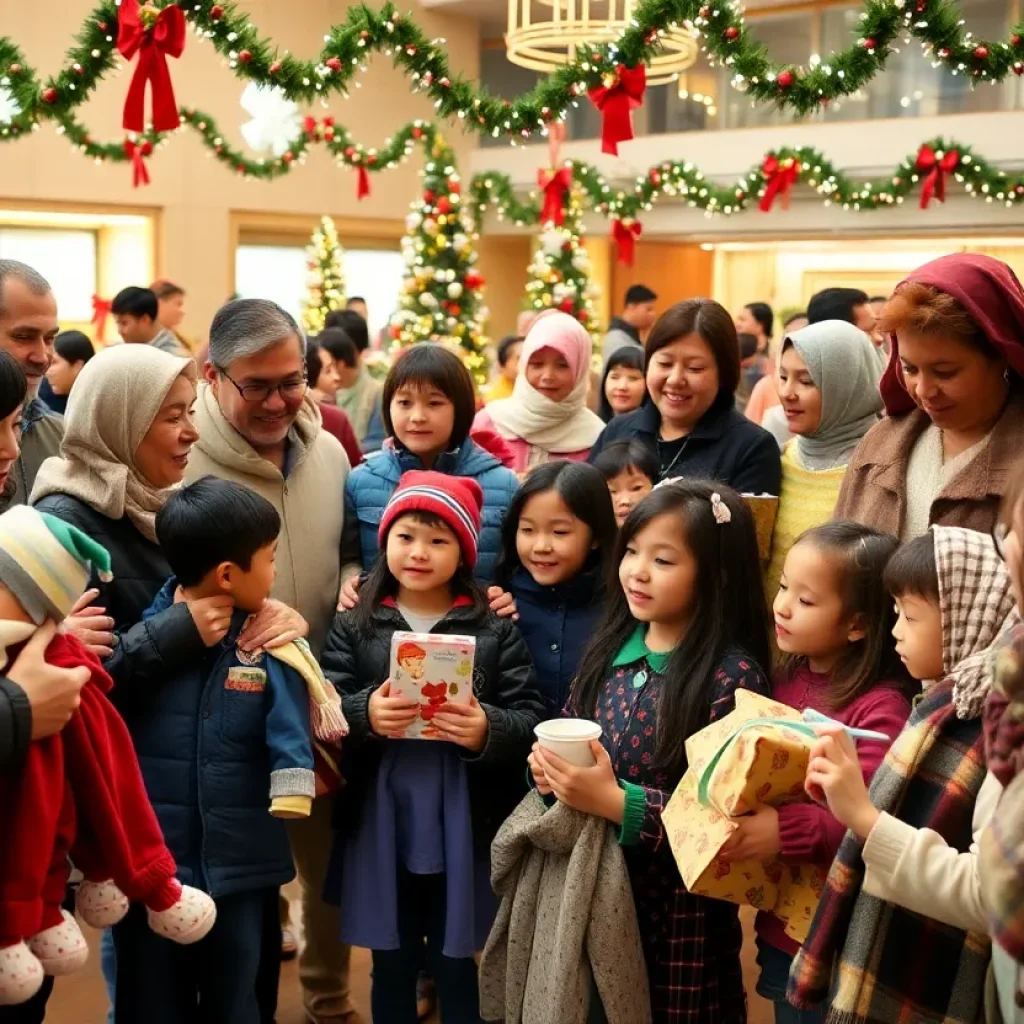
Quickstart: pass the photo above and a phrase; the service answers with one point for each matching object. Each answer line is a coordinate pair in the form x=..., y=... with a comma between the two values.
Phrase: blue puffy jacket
x=370, y=486
x=215, y=744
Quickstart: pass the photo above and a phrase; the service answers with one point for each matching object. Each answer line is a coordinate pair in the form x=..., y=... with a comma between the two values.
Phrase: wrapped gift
x=764, y=508
x=753, y=757
x=433, y=669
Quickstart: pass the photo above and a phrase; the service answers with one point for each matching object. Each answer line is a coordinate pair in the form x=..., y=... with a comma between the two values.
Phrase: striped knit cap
x=456, y=500
x=46, y=563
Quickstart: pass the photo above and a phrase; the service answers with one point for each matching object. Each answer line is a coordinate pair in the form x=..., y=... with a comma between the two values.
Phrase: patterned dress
x=691, y=943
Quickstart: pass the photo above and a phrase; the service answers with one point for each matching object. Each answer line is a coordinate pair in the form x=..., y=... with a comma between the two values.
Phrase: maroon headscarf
x=989, y=290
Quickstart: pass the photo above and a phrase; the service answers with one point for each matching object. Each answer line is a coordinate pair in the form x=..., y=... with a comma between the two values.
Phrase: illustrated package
x=432, y=669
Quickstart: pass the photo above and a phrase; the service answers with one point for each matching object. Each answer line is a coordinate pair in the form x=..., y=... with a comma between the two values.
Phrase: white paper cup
x=569, y=739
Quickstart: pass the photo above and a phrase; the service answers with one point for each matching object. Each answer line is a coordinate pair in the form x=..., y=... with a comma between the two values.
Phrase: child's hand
x=834, y=776
x=91, y=625
x=757, y=837
x=212, y=616
x=274, y=625
x=390, y=716
x=540, y=780
x=503, y=604
x=464, y=724
x=592, y=790
x=349, y=596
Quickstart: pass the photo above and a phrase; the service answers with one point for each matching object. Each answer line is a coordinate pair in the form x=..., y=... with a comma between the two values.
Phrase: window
x=278, y=273
x=66, y=258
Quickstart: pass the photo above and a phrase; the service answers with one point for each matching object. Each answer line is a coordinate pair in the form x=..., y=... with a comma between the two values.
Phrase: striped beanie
x=455, y=499
x=46, y=563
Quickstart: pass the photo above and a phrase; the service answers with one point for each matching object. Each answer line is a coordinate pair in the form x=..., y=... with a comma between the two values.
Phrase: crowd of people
x=230, y=541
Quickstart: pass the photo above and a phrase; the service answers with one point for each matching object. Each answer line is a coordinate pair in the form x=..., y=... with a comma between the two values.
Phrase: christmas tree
x=442, y=298
x=559, y=274
x=325, y=284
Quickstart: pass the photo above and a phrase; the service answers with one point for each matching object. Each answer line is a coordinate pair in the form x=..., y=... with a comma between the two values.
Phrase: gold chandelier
x=545, y=34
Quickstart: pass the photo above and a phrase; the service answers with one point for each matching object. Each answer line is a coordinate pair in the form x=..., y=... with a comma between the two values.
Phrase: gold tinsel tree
x=325, y=282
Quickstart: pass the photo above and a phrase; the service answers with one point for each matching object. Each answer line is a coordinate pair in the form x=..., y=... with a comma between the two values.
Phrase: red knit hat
x=456, y=500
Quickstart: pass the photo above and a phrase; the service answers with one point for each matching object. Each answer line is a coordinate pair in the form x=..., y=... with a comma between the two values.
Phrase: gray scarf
x=845, y=368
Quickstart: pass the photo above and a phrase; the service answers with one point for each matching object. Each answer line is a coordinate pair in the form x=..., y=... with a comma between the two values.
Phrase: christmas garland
x=598, y=70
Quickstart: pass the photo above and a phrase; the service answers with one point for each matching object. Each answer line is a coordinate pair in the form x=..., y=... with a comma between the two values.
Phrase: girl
x=558, y=542
x=828, y=383
x=623, y=387
x=71, y=351
x=428, y=404
x=421, y=815
x=322, y=374
x=683, y=630
x=630, y=470
x=833, y=621
x=547, y=415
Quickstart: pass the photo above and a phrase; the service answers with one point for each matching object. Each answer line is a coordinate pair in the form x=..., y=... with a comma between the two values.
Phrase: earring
x=1006, y=375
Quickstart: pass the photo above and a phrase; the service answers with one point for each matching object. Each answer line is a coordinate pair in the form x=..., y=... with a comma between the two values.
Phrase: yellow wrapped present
x=755, y=756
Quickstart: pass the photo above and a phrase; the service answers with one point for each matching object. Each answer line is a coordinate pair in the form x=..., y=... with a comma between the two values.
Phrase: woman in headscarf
x=955, y=404
x=547, y=416
x=828, y=382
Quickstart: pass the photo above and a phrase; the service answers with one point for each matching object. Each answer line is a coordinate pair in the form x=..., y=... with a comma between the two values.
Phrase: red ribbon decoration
x=555, y=185
x=100, y=313
x=935, y=182
x=154, y=45
x=136, y=153
x=363, y=188
x=625, y=233
x=309, y=127
x=781, y=177
x=617, y=101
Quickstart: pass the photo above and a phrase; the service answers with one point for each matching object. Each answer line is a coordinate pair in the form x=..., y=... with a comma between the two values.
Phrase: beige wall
x=193, y=197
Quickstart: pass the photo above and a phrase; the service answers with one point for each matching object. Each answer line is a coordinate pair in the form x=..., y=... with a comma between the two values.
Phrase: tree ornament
x=785, y=79
x=981, y=52
x=275, y=123
x=216, y=12
x=49, y=95
x=454, y=290
x=275, y=67
x=154, y=36
x=244, y=57
x=333, y=63
x=868, y=44
x=444, y=205
x=732, y=33
x=1018, y=68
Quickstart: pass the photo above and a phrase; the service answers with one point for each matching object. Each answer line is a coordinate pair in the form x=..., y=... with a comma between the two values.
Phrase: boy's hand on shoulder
x=464, y=724
x=502, y=603
x=274, y=625
x=349, y=596
x=212, y=616
x=390, y=716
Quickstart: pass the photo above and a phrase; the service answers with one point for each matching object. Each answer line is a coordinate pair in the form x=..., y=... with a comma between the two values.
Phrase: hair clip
x=720, y=510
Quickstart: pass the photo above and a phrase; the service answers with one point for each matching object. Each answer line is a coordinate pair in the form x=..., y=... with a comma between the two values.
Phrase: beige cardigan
x=914, y=868
x=310, y=502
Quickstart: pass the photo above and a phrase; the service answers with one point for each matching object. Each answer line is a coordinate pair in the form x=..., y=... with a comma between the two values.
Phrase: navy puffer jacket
x=370, y=486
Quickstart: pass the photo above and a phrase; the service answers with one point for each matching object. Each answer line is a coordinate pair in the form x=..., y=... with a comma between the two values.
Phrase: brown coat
x=874, y=489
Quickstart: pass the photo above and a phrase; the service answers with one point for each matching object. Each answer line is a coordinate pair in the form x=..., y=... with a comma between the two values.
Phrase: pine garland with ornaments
x=442, y=296
x=559, y=273
x=325, y=283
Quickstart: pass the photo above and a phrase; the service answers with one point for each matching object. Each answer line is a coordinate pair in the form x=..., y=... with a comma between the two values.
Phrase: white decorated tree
x=325, y=283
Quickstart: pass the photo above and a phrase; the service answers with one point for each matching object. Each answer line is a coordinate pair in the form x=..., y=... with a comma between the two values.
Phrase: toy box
x=434, y=669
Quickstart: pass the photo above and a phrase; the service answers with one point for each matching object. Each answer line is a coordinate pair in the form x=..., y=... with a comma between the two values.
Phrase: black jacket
x=503, y=681
x=15, y=724
x=150, y=652
x=724, y=446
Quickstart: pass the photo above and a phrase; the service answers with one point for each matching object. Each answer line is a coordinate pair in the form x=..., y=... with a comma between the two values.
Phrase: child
x=833, y=622
x=631, y=470
x=78, y=792
x=624, y=386
x=420, y=814
x=686, y=627
x=559, y=536
x=428, y=405
x=220, y=744
x=913, y=887
x=547, y=415
x=507, y=370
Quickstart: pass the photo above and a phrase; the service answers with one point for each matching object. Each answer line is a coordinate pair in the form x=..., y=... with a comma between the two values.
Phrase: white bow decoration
x=275, y=123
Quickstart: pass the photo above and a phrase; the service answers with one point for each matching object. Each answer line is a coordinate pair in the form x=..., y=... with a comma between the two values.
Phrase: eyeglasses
x=1000, y=534
x=289, y=390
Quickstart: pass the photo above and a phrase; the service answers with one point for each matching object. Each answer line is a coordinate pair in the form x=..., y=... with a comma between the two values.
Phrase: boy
x=631, y=471
x=136, y=312
x=213, y=744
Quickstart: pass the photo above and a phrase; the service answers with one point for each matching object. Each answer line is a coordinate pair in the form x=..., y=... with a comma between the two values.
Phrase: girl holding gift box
x=833, y=624
x=684, y=630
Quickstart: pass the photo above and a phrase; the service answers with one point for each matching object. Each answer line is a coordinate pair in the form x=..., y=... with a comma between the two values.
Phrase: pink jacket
x=524, y=455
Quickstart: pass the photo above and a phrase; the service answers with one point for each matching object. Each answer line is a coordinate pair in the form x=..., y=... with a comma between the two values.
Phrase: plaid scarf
x=857, y=949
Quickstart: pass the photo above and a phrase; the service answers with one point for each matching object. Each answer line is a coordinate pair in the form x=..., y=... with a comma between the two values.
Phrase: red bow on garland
x=100, y=313
x=935, y=183
x=625, y=233
x=154, y=37
x=780, y=177
x=555, y=185
x=136, y=153
x=617, y=98
x=363, y=188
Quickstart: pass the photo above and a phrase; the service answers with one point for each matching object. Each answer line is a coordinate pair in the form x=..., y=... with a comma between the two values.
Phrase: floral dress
x=691, y=943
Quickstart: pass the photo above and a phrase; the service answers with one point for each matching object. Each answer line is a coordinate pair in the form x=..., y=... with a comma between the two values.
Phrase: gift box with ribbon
x=755, y=756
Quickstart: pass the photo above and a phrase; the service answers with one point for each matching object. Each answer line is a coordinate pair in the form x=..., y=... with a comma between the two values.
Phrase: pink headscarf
x=563, y=334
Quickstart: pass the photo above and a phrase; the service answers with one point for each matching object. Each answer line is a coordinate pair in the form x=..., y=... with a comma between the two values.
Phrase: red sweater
x=336, y=422
x=808, y=832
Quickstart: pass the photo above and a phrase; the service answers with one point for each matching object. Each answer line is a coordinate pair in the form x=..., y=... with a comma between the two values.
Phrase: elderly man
x=259, y=426
x=28, y=326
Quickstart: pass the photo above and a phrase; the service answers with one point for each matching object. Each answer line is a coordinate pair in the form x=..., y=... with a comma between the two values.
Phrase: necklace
x=665, y=470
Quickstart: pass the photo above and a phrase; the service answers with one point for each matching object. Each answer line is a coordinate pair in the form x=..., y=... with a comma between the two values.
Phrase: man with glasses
x=259, y=426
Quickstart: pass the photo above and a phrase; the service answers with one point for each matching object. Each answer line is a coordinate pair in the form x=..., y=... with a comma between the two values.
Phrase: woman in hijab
x=547, y=416
x=955, y=404
x=828, y=382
